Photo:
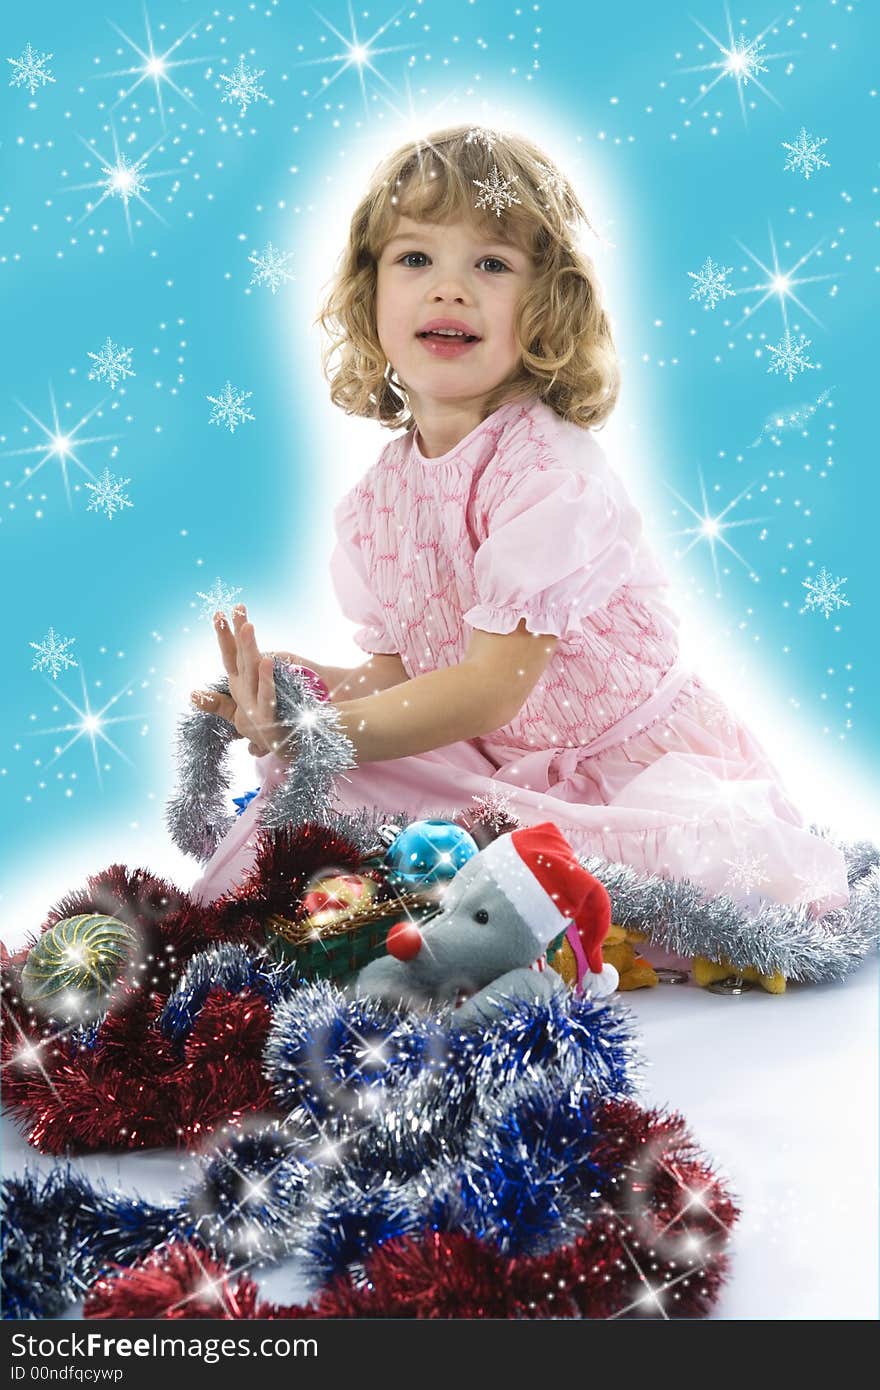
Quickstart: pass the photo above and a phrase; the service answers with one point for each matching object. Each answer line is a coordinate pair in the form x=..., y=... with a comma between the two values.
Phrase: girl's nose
x=404, y=941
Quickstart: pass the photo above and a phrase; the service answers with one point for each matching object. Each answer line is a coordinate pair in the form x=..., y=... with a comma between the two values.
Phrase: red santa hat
x=537, y=870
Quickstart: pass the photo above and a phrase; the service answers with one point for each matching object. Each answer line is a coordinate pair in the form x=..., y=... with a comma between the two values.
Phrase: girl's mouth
x=447, y=345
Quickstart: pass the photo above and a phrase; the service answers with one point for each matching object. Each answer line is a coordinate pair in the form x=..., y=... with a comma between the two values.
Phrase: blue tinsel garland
x=491, y=1135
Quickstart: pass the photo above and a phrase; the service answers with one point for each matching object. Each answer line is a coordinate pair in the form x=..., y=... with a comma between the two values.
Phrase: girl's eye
x=495, y=259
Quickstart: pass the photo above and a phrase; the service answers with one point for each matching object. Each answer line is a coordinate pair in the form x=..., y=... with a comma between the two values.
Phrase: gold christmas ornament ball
x=81, y=957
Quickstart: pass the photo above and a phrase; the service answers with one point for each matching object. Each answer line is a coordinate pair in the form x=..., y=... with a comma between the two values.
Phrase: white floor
x=781, y=1091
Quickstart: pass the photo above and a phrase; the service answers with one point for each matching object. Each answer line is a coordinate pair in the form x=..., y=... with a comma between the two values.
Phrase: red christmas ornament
x=336, y=896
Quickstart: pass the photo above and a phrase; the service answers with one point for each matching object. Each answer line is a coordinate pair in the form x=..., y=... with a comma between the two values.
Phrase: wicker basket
x=342, y=947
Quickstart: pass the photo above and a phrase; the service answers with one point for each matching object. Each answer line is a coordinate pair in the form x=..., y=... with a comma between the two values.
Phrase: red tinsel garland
x=138, y=1094
x=654, y=1248
x=176, y=1280
x=132, y=1090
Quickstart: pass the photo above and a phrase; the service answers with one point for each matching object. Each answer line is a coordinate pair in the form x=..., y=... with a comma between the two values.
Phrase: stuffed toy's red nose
x=404, y=941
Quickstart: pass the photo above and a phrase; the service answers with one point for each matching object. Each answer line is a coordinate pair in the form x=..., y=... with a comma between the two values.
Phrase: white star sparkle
x=780, y=283
x=90, y=723
x=154, y=67
x=123, y=179
x=414, y=123
x=711, y=529
x=357, y=53
x=60, y=444
x=741, y=59
x=28, y=1052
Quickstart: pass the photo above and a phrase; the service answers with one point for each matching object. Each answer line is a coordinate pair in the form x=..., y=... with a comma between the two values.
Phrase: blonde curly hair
x=567, y=353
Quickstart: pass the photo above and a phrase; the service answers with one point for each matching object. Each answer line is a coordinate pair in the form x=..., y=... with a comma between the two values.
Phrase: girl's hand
x=250, y=705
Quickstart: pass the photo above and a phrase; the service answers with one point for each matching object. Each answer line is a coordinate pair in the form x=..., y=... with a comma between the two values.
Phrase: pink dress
x=628, y=752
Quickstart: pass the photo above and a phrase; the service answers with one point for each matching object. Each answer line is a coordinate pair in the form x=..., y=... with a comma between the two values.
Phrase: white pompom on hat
x=538, y=872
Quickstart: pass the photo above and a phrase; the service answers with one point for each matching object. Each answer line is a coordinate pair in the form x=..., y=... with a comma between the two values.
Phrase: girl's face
x=431, y=276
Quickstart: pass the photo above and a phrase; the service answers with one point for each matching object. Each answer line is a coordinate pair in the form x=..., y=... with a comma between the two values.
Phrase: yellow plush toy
x=706, y=972
x=637, y=973
x=634, y=971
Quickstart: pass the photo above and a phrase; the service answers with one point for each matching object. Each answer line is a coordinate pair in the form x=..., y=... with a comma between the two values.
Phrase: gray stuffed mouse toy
x=484, y=949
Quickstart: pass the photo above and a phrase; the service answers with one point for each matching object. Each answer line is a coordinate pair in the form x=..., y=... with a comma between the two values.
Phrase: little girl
x=520, y=645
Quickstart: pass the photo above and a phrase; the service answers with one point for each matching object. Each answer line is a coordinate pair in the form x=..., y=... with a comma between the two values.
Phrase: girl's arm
x=380, y=672
x=470, y=700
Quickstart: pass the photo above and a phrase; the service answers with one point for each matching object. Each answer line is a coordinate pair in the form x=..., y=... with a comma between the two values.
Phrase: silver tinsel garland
x=682, y=918
x=197, y=817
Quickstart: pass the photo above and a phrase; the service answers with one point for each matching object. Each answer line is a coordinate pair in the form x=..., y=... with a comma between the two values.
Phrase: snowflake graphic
x=747, y=872
x=494, y=808
x=823, y=594
x=112, y=364
x=243, y=86
x=497, y=192
x=124, y=180
x=805, y=154
x=745, y=58
x=551, y=183
x=710, y=283
x=481, y=135
x=52, y=652
x=220, y=597
x=109, y=496
x=229, y=407
x=790, y=357
x=270, y=267
x=817, y=888
x=30, y=70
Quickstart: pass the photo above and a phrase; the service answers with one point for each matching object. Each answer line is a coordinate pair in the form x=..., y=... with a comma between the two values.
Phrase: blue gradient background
x=669, y=177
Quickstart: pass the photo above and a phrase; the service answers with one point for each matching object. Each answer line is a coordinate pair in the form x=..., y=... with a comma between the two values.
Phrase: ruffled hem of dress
x=551, y=621
x=374, y=641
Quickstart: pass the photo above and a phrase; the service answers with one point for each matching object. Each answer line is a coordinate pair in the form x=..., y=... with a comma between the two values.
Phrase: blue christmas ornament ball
x=428, y=852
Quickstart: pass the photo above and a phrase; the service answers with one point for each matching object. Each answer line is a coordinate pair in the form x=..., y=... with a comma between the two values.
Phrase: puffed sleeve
x=349, y=578
x=559, y=545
